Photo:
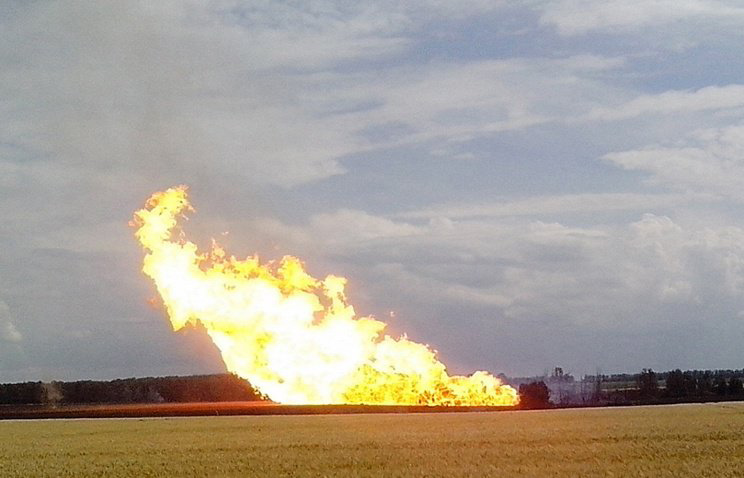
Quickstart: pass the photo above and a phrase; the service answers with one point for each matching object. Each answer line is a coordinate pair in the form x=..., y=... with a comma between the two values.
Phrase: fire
x=294, y=337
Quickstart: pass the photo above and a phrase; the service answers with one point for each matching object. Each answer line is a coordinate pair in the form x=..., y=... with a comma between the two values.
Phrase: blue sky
x=524, y=184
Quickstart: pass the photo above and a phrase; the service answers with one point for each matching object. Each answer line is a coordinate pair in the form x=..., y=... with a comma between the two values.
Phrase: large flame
x=290, y=335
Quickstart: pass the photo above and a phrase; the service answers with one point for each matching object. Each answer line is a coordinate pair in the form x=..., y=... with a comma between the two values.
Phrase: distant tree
x=689, y=383
x=597, y=393
x=534, y=395
x=735, y=386
x=648, y=384
x=705, y=383
x=561, y=384
x=213, y=388
x=21, y=393
x=675, y=384
x=720, y=387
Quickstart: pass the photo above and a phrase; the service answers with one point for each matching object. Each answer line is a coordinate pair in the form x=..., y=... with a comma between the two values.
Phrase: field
x=689, y=440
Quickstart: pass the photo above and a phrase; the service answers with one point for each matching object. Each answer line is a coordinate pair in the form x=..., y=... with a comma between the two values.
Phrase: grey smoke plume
x=8, y=331
x=51, y=393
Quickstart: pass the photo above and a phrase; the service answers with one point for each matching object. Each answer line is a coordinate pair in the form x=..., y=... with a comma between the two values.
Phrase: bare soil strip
x=198, y=409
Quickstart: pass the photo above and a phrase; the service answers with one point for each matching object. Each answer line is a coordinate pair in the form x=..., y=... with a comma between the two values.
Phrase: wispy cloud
x=707, y=161
x=710, y=98
x=555, y=205
x=575, y=17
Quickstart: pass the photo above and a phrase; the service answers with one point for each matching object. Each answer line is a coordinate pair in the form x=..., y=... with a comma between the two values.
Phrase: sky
x=521, y=185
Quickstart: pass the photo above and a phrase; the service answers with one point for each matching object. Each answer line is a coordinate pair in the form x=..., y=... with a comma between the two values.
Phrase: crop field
x=690, y=440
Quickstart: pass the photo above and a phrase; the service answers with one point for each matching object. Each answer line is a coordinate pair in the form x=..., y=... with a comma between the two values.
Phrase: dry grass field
x=664, y=441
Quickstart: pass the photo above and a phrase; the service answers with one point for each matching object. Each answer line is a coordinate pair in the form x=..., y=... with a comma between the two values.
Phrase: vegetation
x=645, y=388
x=554, y=389
x=534, y=395
x=663, y=441
x=197, y=388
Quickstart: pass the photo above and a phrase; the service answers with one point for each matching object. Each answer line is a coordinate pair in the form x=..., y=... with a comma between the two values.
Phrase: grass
x=690, y=440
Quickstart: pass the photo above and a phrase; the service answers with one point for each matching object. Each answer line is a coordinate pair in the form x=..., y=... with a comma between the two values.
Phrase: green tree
x=534, y=395
x=675, y=384
x=720, y=387
x=735, y=386
x=648, y=383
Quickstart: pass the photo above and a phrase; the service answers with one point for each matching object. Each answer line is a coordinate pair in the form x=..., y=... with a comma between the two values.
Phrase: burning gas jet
x=292, y=336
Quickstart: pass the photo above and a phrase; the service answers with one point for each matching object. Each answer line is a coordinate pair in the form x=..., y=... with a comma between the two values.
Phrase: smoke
x=107, y=87
x=11, y=348
x=51, y=393
x=8, y=331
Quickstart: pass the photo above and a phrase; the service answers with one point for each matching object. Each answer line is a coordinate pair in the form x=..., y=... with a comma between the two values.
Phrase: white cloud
x=553, y=205
x=341, y=231
x=709, y=98
x=593, y=276
x=709, y=161
x=459, y=101
x=349, y=226
x=575, y=17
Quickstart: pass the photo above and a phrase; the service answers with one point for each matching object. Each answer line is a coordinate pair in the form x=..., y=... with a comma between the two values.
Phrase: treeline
x=556, y=389
x=196, y=388
x=646, y=387
x=694, y=384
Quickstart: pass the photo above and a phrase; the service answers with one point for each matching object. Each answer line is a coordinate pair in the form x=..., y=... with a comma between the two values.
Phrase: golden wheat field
x=689, y=440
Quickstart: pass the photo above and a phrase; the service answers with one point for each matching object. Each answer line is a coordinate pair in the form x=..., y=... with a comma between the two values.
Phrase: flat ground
x=210, y=409
x=688, y=440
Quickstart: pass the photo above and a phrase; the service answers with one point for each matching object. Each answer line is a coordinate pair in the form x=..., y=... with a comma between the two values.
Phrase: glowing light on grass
x=294, y=337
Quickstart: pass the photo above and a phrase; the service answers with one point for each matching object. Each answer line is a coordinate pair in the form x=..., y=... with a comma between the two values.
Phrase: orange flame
x=290, y=335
